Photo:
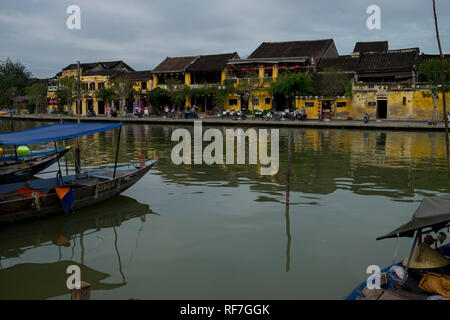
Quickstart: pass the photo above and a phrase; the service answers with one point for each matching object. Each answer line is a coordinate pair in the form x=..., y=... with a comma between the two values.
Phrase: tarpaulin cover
x=432, y=212
x=54, y=132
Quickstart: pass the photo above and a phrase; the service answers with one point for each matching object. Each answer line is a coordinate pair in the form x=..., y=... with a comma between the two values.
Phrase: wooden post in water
x=84, y=293
x=441, y=58
x=288, y=222
x=78, y=111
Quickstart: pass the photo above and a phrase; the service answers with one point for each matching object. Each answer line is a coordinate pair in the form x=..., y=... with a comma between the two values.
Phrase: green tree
x=220, y=95
x=177, y=92
x=66, y=92
x=247, y=90
x=158, y=97
x=333, y=82
x=13, y=80
x=430, y=71
x=37, y=94
x=291, y=84
x=123, y=89
x=105, y=94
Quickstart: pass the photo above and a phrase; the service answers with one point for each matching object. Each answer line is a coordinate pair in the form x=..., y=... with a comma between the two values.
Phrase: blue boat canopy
x=54, y=132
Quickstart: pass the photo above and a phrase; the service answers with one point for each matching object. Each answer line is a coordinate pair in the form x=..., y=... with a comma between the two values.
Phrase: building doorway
x=326, y=108
x=381, y=109
x=101, y=107
x=90, y=105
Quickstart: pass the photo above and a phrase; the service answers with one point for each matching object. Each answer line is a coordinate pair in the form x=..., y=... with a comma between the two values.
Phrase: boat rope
x=396, y=250
x=36, y=203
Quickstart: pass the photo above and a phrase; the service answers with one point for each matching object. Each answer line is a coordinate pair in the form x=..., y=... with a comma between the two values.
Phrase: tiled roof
x=345, y=63
x=138, y=75
x=392, y=60
x=309, y=48
x=109, y=73
x=375, y=62
x=175, y=64
x=212, y=62
x=373, y=46
x=107, y=65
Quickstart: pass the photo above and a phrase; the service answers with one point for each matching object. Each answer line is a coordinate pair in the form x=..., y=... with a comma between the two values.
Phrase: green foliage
x=221, y=96
x=105, y=94
x=123, y=89
x=292, y=83
x=13, y=80
x=66, y=92
x=31, y=107
x=37, y=95
x=333, y=82
x=430, y=70
x=158, y=97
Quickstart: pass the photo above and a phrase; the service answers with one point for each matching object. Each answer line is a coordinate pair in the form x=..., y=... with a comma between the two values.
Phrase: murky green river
x=225, y=232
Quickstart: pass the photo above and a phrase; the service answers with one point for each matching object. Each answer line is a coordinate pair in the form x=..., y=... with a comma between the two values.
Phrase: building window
x=92, y=86
x=232, y=102
x=255, y=102
x=101, y=85
x=144, y=85
x=309, y=104
x=341, y=104
x=267, y=101
x=404, y=101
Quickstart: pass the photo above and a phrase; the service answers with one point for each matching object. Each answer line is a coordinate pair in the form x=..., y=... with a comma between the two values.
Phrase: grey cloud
x=143, y=33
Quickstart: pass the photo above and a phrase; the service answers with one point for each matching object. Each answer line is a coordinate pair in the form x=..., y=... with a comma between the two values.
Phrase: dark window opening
x=232, y=102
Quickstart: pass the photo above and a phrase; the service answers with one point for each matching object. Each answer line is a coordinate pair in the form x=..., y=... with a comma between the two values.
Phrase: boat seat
x=101, y=178
x=87, y=182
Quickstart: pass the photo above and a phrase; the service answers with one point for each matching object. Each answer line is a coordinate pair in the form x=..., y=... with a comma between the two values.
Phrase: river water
x=224, y=231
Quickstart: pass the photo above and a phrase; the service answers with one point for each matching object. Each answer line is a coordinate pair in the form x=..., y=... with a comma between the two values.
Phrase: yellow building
x=93, y=76
x=198, y=73
x=268, y=62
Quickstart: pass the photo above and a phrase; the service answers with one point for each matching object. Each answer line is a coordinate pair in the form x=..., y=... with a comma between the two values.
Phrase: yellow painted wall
x=237, y=106
x=313, y=112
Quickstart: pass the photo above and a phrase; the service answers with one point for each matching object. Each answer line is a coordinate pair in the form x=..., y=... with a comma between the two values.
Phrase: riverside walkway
x=210, y=120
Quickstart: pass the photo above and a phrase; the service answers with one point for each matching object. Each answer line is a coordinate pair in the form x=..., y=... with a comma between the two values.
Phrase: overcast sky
x=143, y=33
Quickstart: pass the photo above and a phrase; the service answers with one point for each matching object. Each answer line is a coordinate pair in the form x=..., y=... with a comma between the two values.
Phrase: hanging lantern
x=268, y=68
x=1, y=152
x=244, y=69
x=23, y=151
x=231, y=70
x=297, y=67
x=283, y=67
x=255, y=69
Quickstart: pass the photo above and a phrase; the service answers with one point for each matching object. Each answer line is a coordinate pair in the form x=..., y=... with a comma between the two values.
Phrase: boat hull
x=14, y=171
x=89, y=189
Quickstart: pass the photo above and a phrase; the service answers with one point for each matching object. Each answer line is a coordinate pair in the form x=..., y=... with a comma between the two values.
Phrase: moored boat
x=410, y=279
x=38, y=198
x=45, y=197
x=14, y=170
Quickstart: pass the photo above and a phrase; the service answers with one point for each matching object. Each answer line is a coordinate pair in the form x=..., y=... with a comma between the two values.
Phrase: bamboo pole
x=78, y=148
x=288, y=222
x=441, y=58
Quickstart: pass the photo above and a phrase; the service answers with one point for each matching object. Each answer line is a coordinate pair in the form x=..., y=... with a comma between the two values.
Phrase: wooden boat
x=35, y=199
x=432, y=215
x=45, y=197
x=12, y=170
